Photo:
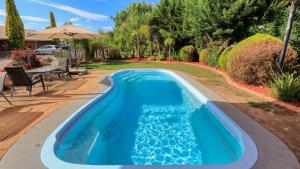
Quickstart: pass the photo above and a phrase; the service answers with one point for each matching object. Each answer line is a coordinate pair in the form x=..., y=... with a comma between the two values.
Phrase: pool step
x=78, y=152
x=131, y=77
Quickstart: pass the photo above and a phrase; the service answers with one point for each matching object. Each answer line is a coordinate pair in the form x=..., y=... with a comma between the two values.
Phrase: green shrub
x=203, y=55
x=152, y=58
x=188, y=53
x=212, y=59
x=161, y=57
x=253, y=59
x=222, y=62
x=114, y=54
x=175, y=56
x=286, y=87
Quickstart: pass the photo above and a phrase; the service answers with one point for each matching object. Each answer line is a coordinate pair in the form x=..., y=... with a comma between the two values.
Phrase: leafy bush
x=152, y=58
x=114, y=54
x=212, y=59
x=35, y=62
x=188, y=53
x=222, y=62
x=253, y=59
x=203, y=55
x=161, y=57
x=286, y=87
x=175, y=56
x=22, y=57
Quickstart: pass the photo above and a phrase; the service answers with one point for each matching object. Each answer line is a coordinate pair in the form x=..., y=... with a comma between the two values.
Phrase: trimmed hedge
x=188, y=53
x=203, y=55
x=254, y=59
x=222, y=62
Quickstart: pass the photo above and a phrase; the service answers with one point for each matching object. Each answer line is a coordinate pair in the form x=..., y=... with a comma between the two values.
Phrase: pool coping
x=272, y=152
x=246, y=161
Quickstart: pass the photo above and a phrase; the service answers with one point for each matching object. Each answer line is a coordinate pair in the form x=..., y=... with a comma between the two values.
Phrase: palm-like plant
x=286, y=86
x=169, y=42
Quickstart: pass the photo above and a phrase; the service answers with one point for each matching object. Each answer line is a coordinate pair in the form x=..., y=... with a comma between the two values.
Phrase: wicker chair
x=19, y=78
x=2, y=80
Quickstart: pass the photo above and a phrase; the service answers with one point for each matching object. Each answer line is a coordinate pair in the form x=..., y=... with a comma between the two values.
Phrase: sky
x=90, y=14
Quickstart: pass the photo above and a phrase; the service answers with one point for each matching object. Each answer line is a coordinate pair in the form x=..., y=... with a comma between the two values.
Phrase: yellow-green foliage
x=253, y=40
x=222, y=62
x=253, y=59
x=14, y=27
x=187, y=53
x=213, y=56
x=203, y=55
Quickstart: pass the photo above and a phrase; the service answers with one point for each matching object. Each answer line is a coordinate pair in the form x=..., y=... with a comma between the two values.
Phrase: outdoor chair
x=78, y=71
x=64, y=64
x=20, y=78
x=2, y=80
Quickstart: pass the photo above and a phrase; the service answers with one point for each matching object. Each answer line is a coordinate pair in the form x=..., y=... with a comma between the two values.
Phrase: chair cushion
x=2, y=80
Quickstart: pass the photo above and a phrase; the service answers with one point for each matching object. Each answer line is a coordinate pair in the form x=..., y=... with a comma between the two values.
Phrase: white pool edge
x=248, y=159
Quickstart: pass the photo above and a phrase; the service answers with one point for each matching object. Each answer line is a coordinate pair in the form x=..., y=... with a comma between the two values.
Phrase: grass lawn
x=280, y=121
x=211, y=79
x=180, y=67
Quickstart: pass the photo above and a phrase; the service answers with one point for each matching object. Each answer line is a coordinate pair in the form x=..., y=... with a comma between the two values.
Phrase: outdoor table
x=43, y=71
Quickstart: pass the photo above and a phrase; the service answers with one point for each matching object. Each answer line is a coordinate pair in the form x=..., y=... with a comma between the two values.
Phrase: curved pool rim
x=248, y=159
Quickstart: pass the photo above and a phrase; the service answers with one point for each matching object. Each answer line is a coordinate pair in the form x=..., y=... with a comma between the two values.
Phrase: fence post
x=5, y=59
x=28, y=58
x=61, y=53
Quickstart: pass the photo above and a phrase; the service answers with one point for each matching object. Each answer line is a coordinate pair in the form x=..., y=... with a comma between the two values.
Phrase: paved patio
x=27, y=111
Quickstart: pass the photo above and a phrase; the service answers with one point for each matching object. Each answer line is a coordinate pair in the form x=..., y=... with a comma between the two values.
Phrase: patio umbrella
x=65, y=32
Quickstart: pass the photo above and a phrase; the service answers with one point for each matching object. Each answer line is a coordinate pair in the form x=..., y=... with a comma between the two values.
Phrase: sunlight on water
x=165, y=136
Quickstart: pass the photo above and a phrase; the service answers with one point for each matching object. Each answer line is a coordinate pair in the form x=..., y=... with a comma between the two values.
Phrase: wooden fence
x=5, y=59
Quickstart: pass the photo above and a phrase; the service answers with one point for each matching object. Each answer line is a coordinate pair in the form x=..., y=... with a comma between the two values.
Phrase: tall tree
x=143, y=35
x=168, y=18
x=289, y=27
x=132, y=30
x=202, y=23
x=220, y=21
x=14, y=27
x=52, y=20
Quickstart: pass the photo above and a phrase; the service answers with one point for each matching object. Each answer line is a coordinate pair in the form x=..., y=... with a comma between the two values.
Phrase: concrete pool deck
x=273, y=153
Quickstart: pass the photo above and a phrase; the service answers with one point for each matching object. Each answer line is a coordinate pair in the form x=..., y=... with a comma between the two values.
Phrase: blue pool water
x=147, y=118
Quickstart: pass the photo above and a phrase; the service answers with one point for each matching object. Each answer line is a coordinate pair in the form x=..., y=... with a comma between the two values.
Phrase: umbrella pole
x=75, y=47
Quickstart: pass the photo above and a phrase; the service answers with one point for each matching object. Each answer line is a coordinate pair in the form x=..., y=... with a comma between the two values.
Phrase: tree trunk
x=133, y=51
x=158, y=46
x=288, y=33
x=138, y=47
x=169, y=53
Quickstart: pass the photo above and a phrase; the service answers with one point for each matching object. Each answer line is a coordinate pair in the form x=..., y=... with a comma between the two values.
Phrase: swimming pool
x=149, y=118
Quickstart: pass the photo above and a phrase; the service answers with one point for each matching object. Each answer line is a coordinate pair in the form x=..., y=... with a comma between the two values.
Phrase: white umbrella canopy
x=65, y=32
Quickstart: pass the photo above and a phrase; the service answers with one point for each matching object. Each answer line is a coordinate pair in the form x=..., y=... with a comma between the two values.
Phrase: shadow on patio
x=27, y=111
